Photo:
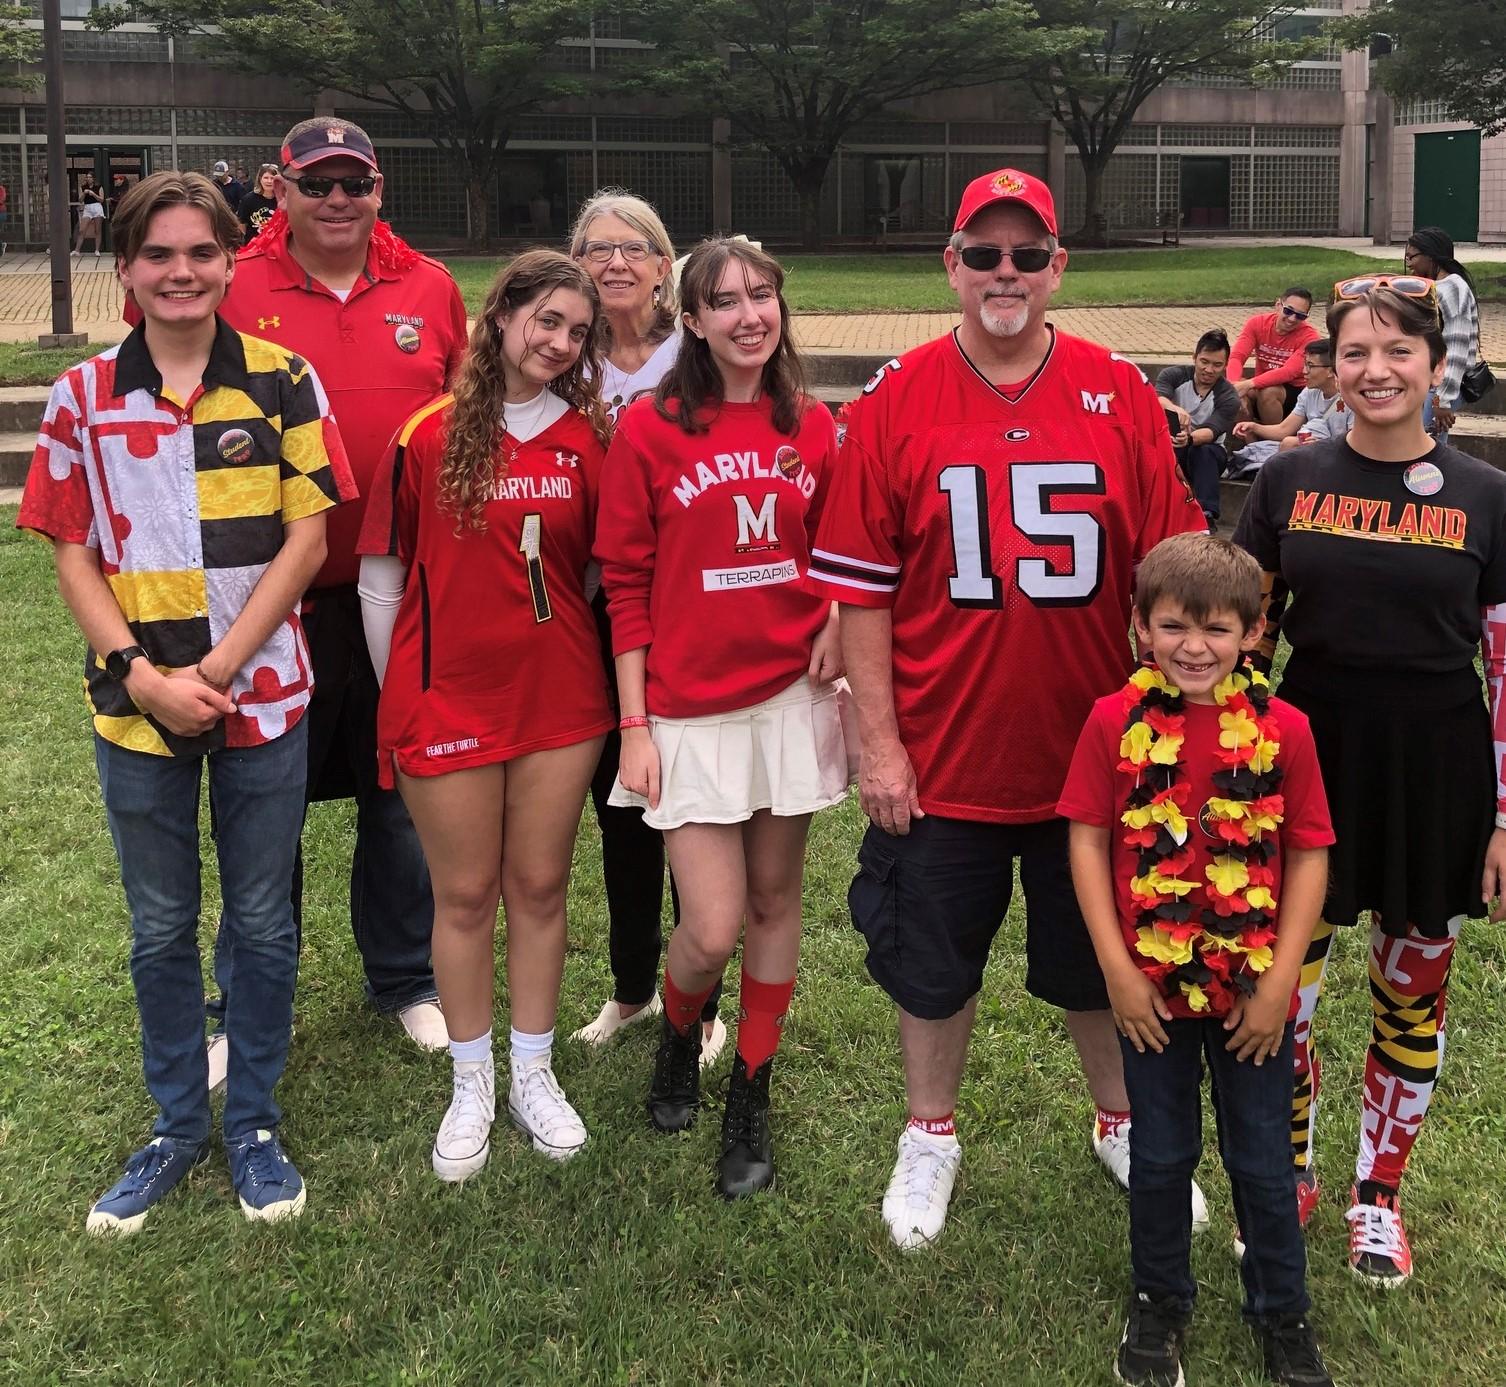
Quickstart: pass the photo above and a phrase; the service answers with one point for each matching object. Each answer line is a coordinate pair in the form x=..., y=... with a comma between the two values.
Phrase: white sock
x=472, y=1052
x=530, y=1050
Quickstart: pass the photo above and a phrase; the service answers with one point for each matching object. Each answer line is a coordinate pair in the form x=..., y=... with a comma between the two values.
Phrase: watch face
x=118, y=662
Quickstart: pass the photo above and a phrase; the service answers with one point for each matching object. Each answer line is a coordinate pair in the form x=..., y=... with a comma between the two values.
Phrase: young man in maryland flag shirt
x=384, y=327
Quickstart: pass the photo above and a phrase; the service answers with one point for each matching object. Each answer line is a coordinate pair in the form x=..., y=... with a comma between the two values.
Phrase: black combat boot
x=746, y=1164
x=674, y=1096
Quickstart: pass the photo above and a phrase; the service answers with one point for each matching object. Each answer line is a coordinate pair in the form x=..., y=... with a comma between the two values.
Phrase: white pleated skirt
x=788, y=754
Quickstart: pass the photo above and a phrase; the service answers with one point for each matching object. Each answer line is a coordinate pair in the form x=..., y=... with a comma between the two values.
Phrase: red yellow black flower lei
x=1201, y=953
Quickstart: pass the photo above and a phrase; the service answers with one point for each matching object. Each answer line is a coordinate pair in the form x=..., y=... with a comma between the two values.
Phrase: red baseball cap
x=326, y=137
x=1007, y=185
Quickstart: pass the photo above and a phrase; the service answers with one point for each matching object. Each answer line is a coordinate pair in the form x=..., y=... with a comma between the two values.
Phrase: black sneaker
x=674, y=1096
x=746, y=1164
x=1150, y=1353
x=1291, y=1352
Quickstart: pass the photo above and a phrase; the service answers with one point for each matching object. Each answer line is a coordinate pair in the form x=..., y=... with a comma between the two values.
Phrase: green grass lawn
x=27, y=364
x=905, y=282
x=622, y=1267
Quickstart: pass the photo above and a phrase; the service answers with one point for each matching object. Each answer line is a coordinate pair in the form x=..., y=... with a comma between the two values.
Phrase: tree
x=1094, y=91
x=464, y=70
x=797, y=75
x=1453, y=51
x=19, y=45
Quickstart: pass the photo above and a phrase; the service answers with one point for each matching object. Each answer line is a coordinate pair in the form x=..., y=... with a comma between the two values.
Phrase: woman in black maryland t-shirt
x=1386, y=551
x=259, y=205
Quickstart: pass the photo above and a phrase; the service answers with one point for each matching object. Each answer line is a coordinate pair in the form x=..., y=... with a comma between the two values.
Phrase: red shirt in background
x=1278, y=358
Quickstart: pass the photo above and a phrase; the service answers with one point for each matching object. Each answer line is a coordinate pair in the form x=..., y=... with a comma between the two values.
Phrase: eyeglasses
x=1410, y=286
x=599, y=252
x=1028, y=260
x=1296, y=313
x=313, y=185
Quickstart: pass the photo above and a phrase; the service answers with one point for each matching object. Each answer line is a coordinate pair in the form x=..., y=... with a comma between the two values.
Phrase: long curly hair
x=472, y=462
x=694, y=383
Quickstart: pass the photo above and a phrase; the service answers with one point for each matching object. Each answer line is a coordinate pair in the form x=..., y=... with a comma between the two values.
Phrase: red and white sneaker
x=1378, y=1249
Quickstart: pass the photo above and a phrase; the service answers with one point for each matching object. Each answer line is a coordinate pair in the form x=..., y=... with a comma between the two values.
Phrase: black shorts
x=930, y=902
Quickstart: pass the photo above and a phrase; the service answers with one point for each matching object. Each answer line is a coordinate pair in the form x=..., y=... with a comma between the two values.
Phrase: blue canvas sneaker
x=268, y=1185
x=150, y=1173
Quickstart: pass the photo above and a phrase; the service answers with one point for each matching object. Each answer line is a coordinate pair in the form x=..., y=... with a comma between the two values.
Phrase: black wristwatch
x=118, y=662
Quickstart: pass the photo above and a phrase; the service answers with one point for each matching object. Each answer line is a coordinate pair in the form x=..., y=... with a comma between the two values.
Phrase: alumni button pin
x=1423, y=479
x=406, y=337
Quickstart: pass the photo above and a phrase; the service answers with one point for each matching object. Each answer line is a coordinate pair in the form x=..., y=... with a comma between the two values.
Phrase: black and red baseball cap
x=1007, y=185
x=326, y=137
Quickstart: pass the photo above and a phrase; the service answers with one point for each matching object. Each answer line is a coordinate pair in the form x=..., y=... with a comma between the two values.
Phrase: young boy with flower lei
x=1199, y=844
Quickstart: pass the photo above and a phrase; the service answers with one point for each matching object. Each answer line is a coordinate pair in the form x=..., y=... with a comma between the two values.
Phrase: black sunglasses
x=1296, y=313
x=313, y=185
x=1027, y=260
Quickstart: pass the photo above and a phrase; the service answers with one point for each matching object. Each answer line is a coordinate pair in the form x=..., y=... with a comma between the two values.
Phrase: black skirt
x=1407, y=767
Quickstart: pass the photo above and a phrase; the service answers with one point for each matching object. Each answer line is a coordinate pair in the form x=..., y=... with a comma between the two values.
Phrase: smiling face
x=1291, y=312
x=334, y=228
x=542, y=338
x=1195, y=654
x=1384, y=374
x=180, y=274
x=741, y=323
x=266, y=184
x=1003, y=301
x=626, y=286
x=1208, y=368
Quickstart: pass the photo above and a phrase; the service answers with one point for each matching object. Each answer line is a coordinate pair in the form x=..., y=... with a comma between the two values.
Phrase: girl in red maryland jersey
x=731, y=735
x=494, y=701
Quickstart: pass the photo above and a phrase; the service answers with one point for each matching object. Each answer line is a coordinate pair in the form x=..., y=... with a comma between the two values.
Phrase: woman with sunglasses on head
x=731, y=733
x=259, y=205
x=1429, y=254
x=1387, y=550
x=622, y=243
x=494, y=701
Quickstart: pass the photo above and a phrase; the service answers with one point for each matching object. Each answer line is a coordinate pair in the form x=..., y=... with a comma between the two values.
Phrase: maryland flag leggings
x=1408, y=980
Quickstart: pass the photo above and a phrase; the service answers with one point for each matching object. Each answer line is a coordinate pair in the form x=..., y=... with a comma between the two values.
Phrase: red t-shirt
x=1006, y=631
x=494, y=652
x=704, y=540
x=1278, y=358
x=1096, y=791
x=383, y=353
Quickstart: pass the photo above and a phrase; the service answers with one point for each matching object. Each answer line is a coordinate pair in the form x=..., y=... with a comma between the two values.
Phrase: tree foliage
x=795, y=76
x=464, y=70
x=1453, y=51
x=1095, y=89
x=20, y=47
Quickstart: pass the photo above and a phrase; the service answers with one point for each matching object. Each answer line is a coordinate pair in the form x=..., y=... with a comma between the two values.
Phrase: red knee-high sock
x=684, y=1008
x=761, y=1021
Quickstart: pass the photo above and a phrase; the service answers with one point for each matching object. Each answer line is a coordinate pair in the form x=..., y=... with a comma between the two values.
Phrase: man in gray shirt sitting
x=1206, y=405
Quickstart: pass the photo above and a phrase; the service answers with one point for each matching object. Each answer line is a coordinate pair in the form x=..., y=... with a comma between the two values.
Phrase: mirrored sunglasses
x=313, y=185
x=1296, y=313
x=1410, y=286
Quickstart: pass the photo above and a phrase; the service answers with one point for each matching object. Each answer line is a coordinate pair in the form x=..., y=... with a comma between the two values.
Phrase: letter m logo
x=1096, y=404
x=755, y=527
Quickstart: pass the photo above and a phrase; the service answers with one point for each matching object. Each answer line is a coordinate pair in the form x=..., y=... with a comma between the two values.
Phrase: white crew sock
x=472, y=1052
x=530, y=1050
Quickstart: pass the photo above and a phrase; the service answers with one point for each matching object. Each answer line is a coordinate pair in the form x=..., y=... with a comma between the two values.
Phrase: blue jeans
x=1253, y=1106
x=153, y=807
x=391, y=903
x=1203, y=464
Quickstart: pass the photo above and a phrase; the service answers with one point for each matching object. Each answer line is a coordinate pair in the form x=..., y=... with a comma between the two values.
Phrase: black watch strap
x=118, y=662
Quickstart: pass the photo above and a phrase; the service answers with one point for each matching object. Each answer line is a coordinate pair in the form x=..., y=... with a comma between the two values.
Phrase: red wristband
x=634, y=720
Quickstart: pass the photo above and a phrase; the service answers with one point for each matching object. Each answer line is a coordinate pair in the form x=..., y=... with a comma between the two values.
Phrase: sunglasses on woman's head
x=1410, y=286
x=1027, y=260
x=313, y=185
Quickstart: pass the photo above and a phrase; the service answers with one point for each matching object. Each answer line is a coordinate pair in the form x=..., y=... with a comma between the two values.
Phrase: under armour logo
x=262, y=324
x=335, y=134
x=566, y=460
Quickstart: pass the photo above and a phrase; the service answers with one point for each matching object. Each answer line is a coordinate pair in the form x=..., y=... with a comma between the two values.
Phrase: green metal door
x=1446, y=182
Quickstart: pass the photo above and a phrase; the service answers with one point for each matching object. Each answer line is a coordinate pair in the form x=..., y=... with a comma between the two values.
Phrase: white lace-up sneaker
x=424, y=1023
x=539, y=1107
x=609, y=1020
x=920, y=1189
x=1113, y=1149
x=464, y=1140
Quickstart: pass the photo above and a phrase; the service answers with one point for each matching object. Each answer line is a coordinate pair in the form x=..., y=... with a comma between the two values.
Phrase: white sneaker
x=539, y=1107
x=610, y=1020
x=464, y=1140
x=1114, y=1151
x=424, y=1022
x=217, y=1052
x=920, y=1189
x=713, y=1044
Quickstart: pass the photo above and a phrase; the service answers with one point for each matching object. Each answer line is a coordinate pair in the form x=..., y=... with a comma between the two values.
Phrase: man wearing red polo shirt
x=385, y=327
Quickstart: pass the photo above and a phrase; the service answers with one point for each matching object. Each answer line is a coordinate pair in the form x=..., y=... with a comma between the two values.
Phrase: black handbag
x=1476, y=382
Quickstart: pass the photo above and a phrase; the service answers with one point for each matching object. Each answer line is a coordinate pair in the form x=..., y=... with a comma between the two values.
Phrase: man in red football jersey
x=997, y=488
x=385, y=327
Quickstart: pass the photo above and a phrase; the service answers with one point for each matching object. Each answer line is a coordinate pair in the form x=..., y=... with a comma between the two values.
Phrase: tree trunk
x=1095, y=226
x=809, y=178
x=478, y=201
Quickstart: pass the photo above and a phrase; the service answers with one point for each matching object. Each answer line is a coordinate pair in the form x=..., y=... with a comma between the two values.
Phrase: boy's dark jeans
x=1253, y=1106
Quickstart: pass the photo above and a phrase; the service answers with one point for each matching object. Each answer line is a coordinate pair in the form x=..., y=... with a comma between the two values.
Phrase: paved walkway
x=1147, y=333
